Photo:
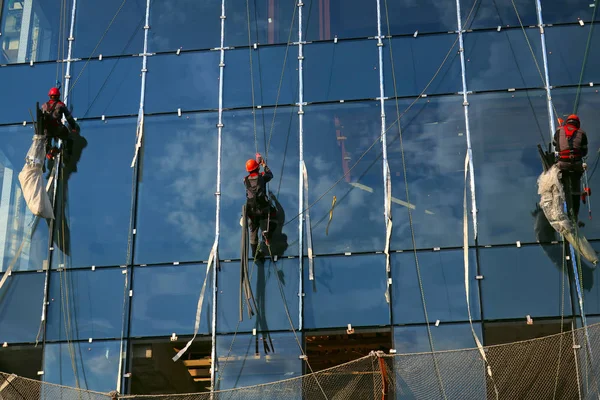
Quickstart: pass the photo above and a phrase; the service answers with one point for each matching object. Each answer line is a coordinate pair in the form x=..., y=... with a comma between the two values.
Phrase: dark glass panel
x=416, y=65
x=165, y=300
x=503, y=60
x=442, y=285
x=523, y=281
x=187, y=25
x=91, y=366
x=95, y=196
x=407, y=16
x=435, y=144
x=125, y=35
x=240, y=365
x=336, y=137
x=568, y=11
x=338, y=280
x=34, y=30
x=189, y=81
x=86, y=304
x=415, y=339
x=505, y=130
x=271, y=313
x=21, y=300
x=23, y=361
x=17, y=223
x=341, y=71
x=176, y=206
x=493, y=13
x=277, y=141
x=107, y=87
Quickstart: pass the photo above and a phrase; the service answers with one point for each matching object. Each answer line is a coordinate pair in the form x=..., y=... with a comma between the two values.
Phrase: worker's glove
x=584, y=165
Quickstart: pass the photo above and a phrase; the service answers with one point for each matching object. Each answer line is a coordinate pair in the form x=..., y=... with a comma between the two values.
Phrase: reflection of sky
x=21, y=300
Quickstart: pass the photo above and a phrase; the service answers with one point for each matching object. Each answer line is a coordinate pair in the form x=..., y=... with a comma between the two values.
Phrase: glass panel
x=16, y=220
x=271, y=313
x=443, y=285
x=336, y=136
x=99, y=179
x=434, y=141
x=505, y=130
x=330, y=67
x=589, y=279
x=588, y=104
x=567, y=51
x=126, y=33
x=408, y=16
x=189, y=81
x=415, y=339
x=26, y=85
x=279, y=137
x=414, y=72
x=24, y=361
x=166, y=298
x=537, y=291
x=492, y=13
x=342, y=19
x=503, y=60
x=97, y=364
x=107, y=87
x=569, y=11
x=268, y=63
x=270, y=22
x=87, y=304
x=186, y=25
x=34, y=30
x=176, y=189
x=244, y=365
x=21, y=300
x=327, y=301
x=462, y=373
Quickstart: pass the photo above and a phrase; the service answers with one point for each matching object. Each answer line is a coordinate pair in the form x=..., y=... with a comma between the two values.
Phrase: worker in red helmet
x=258, y=207
x=571, y=144
x=53, y=111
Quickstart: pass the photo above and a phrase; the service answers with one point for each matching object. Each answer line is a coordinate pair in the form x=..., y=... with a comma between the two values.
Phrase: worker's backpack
x=256, y=198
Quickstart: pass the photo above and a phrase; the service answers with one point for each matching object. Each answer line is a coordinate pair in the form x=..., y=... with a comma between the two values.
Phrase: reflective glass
x=568, y=11
x=415, y=339
x=97, y=364
x=176, y=201
x=414, y=73
x=270, y=313
x=270, y=22
x=338, y=18
x=590, y=277
x=435, y=143
x=24, y=361
x=34, y=30
x=165, y=300
x=86, y=304
x=17, y=223
x=588, y=104
x=338, y=279
x=93, y=222
x=341, y=71
x=336, y=136
x=125, y=35
x=502, y=60
x=277, y=141
x=268, y=64
x=21, y=300
x=523, y=281
x=492, y=13
x=186, y=25
x=189, y=81
x=107, y=87
x=505, y=130
x=442, y=282
x=408, y=16
x=246, y=364
x=566, y=52
x=26, y=85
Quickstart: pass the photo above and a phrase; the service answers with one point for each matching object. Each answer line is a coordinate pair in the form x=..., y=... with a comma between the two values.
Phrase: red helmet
x=573, y=117
x=251, y=165
x=54, y=92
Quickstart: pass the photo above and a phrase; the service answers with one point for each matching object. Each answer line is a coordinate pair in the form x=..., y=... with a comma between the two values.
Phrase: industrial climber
x=53, y=111
x=571, y=145
x=258, y=207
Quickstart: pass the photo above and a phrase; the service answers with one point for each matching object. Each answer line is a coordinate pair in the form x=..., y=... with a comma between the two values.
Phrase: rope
x=562, y=318
x=252, y=73
x=587, y=50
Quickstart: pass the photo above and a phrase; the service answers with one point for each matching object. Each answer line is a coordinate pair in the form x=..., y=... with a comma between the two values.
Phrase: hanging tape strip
x=388, y=226
x=200, y=302
x=139, y=133
x=333, y=201
x=311, y=263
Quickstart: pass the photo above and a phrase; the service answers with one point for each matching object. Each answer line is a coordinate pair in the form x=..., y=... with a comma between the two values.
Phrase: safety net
x=561, y=366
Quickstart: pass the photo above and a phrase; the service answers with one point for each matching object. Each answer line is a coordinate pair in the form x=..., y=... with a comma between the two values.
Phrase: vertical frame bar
x=301, y=163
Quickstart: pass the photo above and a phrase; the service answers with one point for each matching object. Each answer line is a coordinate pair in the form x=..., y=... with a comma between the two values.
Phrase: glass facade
x=127, y=256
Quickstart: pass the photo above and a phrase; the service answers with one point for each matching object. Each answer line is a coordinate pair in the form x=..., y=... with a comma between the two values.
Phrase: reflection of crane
x=341, y=139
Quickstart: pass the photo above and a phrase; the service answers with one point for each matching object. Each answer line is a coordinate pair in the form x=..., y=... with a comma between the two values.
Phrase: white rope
x=301, y=162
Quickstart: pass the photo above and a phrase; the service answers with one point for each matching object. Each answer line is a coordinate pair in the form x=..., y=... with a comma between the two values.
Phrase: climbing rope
x=251, y=74
x=585, y=56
